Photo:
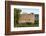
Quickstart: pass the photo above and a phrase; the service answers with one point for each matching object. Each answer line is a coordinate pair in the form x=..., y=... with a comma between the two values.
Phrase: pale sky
x=28, y=9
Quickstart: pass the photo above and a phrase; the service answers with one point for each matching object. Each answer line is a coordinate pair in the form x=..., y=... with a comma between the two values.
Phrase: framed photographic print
x=24, y=17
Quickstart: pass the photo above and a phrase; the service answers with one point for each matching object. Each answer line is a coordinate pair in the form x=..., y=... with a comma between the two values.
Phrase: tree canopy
x=16, y=15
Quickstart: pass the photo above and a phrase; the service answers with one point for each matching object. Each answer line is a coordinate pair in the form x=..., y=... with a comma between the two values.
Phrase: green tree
x=16, y=15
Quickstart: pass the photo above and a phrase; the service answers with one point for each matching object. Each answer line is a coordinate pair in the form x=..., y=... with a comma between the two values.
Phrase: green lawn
x=36, y=24
x=26, y=25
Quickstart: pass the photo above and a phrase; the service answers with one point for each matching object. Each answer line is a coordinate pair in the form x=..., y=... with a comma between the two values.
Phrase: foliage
x=36, y=24
x=16, y=15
